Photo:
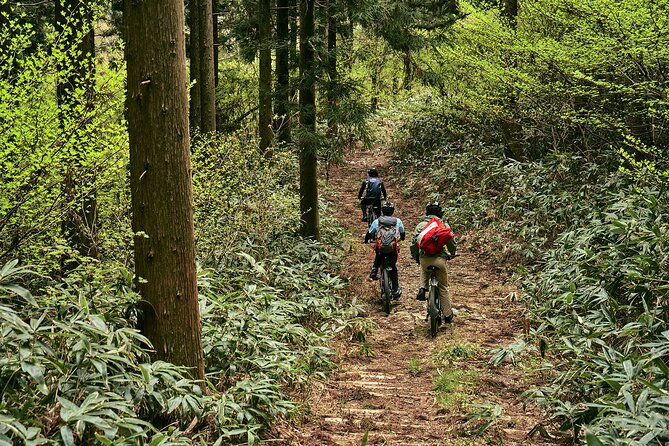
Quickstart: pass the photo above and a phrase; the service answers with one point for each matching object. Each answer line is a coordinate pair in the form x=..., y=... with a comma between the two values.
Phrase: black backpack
x=373, y=188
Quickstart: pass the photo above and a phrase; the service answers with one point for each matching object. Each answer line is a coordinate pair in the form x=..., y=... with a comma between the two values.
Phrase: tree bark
x=282, y=94
x=74, y=92
x=194, y=53
x=215, y=13
x=510, y=11
x=207, y=82
x=6, y=64
x=331, y=32
x=160, y=179
x=308, y=147
x=512, y=130
x=293, y=19
x=265, y=76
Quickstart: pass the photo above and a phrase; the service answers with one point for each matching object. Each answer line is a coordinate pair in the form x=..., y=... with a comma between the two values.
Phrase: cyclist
x=386, y=222
x=373, y=189
x=438, y=260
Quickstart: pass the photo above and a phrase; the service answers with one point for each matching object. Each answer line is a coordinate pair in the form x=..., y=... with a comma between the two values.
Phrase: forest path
x=386, y=386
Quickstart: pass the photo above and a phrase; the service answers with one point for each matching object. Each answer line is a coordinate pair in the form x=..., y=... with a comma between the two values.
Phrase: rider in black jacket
x=374, y=190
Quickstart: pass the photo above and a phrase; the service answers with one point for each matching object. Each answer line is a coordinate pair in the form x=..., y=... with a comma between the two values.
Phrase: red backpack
x=434, y=237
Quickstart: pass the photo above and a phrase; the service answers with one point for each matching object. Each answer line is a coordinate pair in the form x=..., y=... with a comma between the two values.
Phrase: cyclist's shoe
x=448, y=319
x=396, y=293
x=364, y=218
x=421, y=294
x=373, y=275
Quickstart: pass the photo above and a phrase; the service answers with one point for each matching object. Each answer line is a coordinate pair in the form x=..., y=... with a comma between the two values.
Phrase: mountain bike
x=433, y=303
x=385, y=285
x=373, y=212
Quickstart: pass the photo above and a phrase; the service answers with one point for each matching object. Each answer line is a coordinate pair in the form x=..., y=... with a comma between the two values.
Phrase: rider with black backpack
x=387, y=231
x=373, y=189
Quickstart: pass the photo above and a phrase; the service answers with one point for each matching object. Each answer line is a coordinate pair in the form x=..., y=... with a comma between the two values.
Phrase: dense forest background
x=542, y=125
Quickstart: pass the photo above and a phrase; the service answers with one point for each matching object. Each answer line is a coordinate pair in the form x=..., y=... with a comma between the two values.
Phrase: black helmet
x=388, y=208
x=434, y=209
x=372, y=172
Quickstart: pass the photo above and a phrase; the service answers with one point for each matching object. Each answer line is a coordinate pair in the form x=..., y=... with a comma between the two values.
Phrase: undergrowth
x=592, y=252
x=75, y=370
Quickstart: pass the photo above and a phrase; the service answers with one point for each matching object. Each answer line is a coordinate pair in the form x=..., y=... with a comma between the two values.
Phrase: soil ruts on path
x=387, y=386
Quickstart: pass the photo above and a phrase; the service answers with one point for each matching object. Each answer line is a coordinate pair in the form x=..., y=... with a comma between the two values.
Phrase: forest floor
x=400, y=386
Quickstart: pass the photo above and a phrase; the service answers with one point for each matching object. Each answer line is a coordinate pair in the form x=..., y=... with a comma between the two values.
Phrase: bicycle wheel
x=371, y=216
x=385, y=290
x=433, y=309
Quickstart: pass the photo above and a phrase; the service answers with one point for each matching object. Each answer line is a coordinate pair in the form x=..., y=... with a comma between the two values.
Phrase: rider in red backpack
x=434, y=211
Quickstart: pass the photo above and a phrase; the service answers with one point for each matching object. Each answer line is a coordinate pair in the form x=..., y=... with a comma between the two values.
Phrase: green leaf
x=35, y=372
x=66, y=435
x=592, y=439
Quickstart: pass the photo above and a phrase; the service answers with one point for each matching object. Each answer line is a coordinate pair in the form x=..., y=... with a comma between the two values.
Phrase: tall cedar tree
x=195, y=104
x=75, y=89
x=160, y=180
x=202, y=75
x=265, y=75
x=511, y=128
x=331, y=38
x=308, y=144
x=207, y=74
x=282, y=91
x=5, y=37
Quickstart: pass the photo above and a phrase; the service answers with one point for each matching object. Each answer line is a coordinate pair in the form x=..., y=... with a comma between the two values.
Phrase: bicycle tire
x=433, y=309
x=385, y=290
x=371, y=215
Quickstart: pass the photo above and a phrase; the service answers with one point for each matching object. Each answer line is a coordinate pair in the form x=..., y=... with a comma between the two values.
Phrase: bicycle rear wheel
x=385, y=289
x=432, y=309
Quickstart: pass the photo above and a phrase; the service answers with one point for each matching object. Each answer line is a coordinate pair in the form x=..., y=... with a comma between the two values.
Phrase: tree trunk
x=160, y=180
x=331, y=32
x=6, y=64
x=194, y=53
x=215, y=13
x=265, y=75
x=74, y=92
x=293, y=17
x=207, y=83
x=512, y=130
x=282, y=94
x=308, y=147
x=408, y=70
x=510, y=12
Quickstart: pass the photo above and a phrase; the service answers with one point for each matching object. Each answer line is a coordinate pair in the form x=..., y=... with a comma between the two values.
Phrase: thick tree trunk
x=75, y=90
x=207, y=82
x=282, y=94
x=308, y=147
x=194, y=53
x=265, y=75
x=160, y=180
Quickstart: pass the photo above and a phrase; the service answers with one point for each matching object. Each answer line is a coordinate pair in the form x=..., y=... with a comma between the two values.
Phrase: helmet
x=387, y=208
x=434, y=209
x=372, y=172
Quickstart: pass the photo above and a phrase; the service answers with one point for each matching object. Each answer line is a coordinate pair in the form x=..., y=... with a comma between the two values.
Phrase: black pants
x=373, y=201
x=391, y=261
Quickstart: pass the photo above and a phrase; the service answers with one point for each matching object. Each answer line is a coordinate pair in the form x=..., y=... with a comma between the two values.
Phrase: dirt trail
x=387, y=387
